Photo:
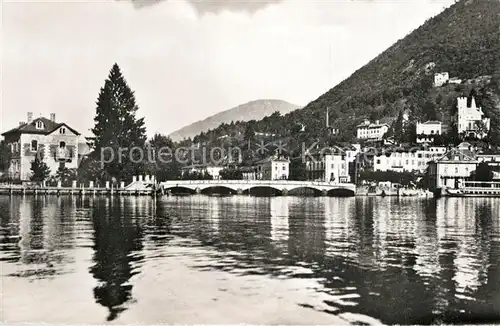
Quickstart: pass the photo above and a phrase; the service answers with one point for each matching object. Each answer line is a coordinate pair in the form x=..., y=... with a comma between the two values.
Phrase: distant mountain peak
x=253, y=110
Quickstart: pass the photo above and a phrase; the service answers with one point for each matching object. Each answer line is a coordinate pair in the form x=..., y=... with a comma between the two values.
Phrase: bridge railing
x=259, y=182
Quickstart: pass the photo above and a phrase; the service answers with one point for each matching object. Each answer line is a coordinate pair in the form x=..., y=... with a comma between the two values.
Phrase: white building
x=407, y=161
x=452, y=168
x=273, y=168
x=441, y=78
x=328, y=165
x=471, y=121
x=204, y=169
x=427, y=130
x=56, y=143
x=372, y=131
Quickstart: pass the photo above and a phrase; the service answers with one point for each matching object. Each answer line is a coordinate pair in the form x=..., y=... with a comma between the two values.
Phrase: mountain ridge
x=253, y=110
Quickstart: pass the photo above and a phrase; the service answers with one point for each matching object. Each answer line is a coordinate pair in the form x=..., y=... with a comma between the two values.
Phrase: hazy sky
x=187, y=60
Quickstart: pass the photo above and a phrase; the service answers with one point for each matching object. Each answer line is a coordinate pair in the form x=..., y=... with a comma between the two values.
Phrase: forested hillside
x=463, y=40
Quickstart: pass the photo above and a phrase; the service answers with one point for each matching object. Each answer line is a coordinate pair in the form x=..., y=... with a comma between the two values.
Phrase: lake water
x=240, y=259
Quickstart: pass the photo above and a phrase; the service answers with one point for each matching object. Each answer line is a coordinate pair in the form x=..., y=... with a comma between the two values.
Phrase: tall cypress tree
x=117, y=127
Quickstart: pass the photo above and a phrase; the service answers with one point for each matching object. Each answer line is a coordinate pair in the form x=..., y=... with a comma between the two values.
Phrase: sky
x=188, y=59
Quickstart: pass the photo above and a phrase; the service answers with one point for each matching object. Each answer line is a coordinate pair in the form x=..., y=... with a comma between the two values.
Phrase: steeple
x=473, y=103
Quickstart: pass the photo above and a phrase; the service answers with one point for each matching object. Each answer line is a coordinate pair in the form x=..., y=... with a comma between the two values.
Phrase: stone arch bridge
x=282, y=186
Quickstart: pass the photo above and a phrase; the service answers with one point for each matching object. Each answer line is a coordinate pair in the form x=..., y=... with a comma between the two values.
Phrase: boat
x=474, y=189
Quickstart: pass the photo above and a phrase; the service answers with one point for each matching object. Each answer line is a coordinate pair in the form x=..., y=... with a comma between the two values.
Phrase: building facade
x=273, y=168
x=471, y=120
x=203, y=169
x=331, y=165
x=55, y=143
x=407, y=161
x=372, y=131
x=452, y=168
x=441, y=78
x=428, y=130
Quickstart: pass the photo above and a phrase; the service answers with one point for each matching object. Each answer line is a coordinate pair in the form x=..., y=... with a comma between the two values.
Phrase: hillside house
x=471, y=121
x=56, y=143
x=454, y=167
x=427, y=130
x=441, y=78
x=372, y=131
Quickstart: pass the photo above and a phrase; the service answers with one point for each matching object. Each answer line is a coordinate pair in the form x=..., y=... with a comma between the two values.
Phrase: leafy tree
x=90, y=170
x=40, y=170
x=166, y=165
x=4, y=156
x=231, y=174
x=66, y=176
x=250, y=131
x=297, y=170
x=195, y=175
x=398, y=128
x=484, y=172
x=116, y=127
x=429, y=111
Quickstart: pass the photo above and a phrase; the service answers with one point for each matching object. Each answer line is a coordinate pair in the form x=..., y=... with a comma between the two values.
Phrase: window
x=62, y=131
x=39, y=124
x=284, y=168
x=62, y=144
x=34, y=145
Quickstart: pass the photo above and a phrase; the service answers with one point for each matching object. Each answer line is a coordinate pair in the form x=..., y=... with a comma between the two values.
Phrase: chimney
x=327, y=122
x=53, y=117
x=377, y=122
x=30, y=117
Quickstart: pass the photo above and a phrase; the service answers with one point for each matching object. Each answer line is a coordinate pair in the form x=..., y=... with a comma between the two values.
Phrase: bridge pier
x=198, y=190
x=284, y=192
x=239, y=191
x=324, y=192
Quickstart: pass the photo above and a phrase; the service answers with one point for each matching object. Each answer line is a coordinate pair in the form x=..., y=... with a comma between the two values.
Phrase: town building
x=471, y=120
x=372, y=131
x=491, y=158
x=428, y=130
x=55, y=143
x=441, y=78
x=249, y=172
x=330, y=164
x=203, y=169
x=453, y=168
x=273, y=168
x=405, y=160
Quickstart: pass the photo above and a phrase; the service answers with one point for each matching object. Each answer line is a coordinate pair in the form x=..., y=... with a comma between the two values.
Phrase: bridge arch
x=180, y=190
x=263, y=190
x=305, y=191
x=341, y=192
x=220, y=190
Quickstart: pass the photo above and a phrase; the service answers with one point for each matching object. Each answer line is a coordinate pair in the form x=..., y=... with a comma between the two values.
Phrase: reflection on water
x=362, y=259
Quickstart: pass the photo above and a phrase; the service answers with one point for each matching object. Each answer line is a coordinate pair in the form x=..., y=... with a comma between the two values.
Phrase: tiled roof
x=30, y=128
x=273, y=159
x=461, y=153
x=432, y=122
